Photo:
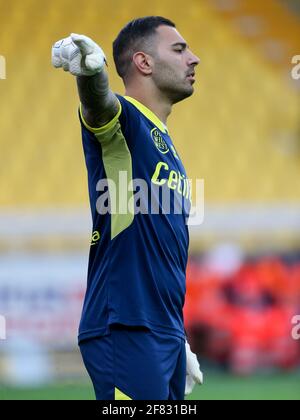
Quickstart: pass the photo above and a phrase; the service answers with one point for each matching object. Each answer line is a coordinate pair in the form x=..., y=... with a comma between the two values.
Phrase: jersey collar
x=148, y=113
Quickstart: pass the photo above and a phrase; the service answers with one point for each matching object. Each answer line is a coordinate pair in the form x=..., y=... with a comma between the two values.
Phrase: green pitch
x=217, y=387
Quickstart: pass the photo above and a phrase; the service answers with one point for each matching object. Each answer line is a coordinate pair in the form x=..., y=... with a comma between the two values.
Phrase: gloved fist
x=79, y=55
x=193, y=373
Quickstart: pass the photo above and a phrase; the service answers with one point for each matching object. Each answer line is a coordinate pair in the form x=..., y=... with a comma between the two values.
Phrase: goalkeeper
x=131, y=333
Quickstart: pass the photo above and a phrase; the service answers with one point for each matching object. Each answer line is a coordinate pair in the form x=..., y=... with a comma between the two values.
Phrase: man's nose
x=193, y=59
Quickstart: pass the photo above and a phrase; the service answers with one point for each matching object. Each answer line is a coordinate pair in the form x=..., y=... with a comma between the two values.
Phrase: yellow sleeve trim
x=104, y=128
x=148, y=113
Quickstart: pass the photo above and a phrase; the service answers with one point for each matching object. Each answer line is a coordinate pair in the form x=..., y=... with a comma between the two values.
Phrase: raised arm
x=83, y=58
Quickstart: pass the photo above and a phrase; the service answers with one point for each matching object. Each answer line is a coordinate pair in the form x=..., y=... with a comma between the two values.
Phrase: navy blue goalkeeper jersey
x=140, y=200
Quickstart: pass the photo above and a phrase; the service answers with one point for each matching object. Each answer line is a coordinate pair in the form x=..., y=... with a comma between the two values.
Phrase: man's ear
x=143, y=62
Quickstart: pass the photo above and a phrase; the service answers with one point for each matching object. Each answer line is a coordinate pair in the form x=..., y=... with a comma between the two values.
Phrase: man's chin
x=183, y=94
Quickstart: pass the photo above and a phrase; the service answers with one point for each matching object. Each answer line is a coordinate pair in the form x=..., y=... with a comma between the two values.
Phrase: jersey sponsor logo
x=174, y=179
x=95, y=237
x=159, y=142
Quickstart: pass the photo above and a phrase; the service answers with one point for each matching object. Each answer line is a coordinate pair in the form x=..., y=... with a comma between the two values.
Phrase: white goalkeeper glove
x=79, y=55
x=193, y=373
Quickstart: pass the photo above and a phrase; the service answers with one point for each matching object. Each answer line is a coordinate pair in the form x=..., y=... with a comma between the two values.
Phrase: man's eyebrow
x=181, y=44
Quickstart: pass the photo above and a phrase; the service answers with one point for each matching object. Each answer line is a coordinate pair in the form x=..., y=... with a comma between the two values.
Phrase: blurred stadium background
x=240, y=132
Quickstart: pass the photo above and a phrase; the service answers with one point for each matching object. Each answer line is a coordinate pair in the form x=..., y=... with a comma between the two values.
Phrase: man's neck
x=157, y=104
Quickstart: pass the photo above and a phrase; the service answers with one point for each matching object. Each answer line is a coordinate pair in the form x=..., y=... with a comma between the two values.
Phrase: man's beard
x=170, y=85
x=177, y=95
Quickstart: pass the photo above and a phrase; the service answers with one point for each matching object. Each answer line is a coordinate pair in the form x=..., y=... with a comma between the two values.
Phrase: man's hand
x=193, y=373
x=79, y=55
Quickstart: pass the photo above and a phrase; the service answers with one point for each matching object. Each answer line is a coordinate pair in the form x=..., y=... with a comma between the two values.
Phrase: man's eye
x=179, y=51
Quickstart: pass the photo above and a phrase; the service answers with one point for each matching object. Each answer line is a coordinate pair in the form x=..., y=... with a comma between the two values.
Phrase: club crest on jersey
x=159, y=141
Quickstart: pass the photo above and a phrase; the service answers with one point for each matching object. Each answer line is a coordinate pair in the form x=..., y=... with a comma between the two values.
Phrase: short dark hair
x=134, y=37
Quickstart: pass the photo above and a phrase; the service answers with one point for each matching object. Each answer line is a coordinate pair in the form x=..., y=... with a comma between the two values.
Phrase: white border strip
x=231, y=220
